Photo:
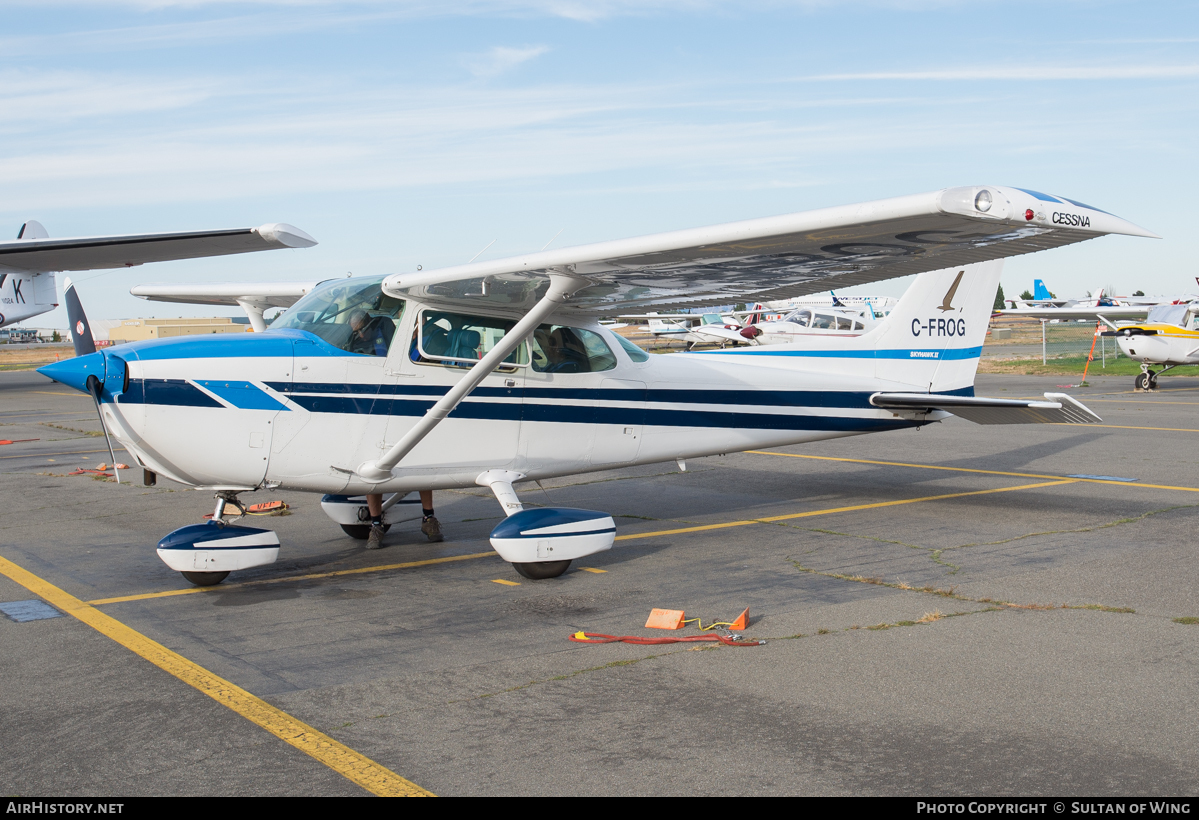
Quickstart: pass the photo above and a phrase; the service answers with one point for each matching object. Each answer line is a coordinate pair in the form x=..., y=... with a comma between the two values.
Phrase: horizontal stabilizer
x=1058, y=409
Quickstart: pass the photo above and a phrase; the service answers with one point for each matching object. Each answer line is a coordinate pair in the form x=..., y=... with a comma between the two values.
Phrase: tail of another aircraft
x=1039, y=291
x=933, y=337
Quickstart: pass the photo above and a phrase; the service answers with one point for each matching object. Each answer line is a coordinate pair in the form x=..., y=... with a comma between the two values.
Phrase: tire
x=1153, y=382
x=360, y=531
x=1141, y=382
x=205, y=579
x=540, y=570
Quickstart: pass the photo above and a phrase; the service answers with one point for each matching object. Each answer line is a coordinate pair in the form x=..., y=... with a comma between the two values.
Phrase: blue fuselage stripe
x=911, y=354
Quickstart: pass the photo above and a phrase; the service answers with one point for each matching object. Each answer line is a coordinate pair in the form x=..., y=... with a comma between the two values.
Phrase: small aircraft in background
x=1043, y=300
x=764, y=324
x=1168, y=338
x=498, y=372
x=28, y=264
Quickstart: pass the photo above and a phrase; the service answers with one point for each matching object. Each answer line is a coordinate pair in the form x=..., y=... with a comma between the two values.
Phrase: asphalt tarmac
x=1005, y=630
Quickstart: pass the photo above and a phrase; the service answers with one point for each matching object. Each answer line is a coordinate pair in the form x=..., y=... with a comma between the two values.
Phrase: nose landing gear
x=1147, y=379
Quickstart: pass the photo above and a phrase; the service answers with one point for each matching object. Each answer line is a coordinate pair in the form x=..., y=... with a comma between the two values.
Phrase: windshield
x=1168, y=314
x=333, y=308
x=802, y=317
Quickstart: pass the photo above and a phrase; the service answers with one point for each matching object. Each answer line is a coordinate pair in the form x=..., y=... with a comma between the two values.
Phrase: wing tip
x=286, y=235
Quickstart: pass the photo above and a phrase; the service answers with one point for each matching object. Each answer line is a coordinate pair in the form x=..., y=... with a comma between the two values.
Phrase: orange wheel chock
x=665, y=619
x=266, y=506
x=741, y=622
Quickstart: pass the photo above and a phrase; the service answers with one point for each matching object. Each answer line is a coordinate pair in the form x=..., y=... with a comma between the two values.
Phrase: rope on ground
x=597, y=637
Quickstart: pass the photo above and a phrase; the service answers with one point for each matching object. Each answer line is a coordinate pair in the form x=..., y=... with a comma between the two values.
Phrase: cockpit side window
x=460, y=340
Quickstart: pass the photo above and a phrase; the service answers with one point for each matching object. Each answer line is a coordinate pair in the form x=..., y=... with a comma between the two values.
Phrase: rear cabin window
x=635, y=353
x=561, y=349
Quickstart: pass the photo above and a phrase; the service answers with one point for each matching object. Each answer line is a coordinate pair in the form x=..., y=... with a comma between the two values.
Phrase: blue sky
x=406, y=133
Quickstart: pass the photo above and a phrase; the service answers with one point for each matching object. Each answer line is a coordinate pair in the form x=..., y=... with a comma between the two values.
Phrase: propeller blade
x=95, y=387
x=81, y=331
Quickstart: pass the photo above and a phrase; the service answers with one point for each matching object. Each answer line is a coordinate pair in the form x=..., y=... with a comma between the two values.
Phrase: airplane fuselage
x=25, y=295
x=287, y=409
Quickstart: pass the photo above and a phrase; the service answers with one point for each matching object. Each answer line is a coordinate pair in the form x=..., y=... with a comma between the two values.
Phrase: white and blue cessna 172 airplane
x=498, y=372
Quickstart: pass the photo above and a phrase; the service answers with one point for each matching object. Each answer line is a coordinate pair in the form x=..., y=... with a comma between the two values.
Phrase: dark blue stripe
x=173, y=392
x=759, y=398
x=915, y=355
x=575, y=414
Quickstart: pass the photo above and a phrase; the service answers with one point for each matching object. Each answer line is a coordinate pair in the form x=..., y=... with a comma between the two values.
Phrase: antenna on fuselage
x=480, y=253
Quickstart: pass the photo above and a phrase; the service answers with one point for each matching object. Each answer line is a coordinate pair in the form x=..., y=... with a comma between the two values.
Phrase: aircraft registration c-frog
x=498, y=372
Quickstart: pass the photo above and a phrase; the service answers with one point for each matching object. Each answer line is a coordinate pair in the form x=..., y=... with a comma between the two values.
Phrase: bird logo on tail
x=947, y=302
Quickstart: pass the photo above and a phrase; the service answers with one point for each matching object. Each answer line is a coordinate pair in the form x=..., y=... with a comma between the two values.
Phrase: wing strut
x=562, y=286
x=254, y=312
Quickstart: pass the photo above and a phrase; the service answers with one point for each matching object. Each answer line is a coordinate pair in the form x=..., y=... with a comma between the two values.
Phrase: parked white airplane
x=27, y=265
x=497, y=372
x=805, y=323
x=1168, y=338
x=760, y=325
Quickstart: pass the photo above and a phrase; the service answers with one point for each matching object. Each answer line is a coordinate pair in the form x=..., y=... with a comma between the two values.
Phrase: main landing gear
x=206, y=553
x=541, y=543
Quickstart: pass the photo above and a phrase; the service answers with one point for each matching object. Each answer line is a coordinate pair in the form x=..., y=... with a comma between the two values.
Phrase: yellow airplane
x=1169, y=336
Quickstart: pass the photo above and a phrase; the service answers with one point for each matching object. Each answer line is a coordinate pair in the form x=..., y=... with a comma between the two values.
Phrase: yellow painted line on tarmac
x=592, y=569
x=505, y=583
x=877, y=505
x=340, y=758
x=974, y=470
x=358, y=571
x=1130, y=427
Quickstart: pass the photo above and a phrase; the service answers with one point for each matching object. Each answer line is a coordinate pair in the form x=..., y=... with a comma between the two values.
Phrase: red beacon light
x=1028, y=215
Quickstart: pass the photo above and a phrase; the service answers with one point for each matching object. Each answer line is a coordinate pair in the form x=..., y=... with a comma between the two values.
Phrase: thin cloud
x=502, y=58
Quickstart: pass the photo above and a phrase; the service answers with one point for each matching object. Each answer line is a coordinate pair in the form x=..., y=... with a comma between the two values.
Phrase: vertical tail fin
x=1039, y=291
x=933, y=337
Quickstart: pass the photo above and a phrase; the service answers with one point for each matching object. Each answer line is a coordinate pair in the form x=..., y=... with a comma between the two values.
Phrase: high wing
x=1057, y=409
x=783, y=256
x=1118, y=312
x=43, y=255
